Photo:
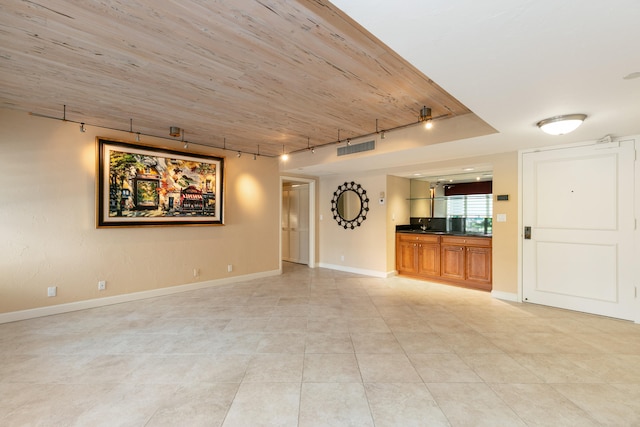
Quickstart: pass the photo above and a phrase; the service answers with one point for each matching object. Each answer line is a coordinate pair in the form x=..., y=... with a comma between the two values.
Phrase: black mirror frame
x=364, y=205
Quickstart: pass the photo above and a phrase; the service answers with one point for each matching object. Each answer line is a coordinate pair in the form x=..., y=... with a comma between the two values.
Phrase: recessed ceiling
x=253, y=76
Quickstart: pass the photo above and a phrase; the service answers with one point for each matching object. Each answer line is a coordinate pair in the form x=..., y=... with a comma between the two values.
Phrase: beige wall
x=421, y=192
x=398, y=191
x=364, y=248
x=47, y=222
x=367, y=249
x=505, y=234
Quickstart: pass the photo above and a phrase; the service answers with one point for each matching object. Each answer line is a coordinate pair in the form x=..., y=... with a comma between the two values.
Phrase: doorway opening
x=297, y=220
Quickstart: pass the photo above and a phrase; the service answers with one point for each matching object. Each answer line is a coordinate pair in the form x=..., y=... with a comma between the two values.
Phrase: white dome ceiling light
x=560, y=125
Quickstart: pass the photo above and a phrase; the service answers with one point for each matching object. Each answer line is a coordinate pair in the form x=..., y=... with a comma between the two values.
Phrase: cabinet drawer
x=466, y=241
x=418, y=238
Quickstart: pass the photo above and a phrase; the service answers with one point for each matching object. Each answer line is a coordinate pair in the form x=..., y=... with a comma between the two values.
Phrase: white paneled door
x=579, y=227
x=295, y=223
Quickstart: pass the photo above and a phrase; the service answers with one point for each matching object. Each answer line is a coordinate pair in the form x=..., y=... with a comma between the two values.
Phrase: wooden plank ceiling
x=267, y=73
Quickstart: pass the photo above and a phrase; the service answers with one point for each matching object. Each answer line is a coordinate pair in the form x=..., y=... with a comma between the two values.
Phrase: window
x=473, y=205
x=476, y=208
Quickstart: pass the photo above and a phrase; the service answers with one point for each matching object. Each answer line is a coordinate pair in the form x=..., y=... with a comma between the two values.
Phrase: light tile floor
x=315, y=347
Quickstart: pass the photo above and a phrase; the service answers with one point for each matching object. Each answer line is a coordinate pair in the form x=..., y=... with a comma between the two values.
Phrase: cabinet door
x=452, y=266
x=429, y=259
x=479, y=265
x=407, y=257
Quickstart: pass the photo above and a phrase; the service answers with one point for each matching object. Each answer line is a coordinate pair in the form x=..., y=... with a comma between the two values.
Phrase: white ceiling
x=513, y=63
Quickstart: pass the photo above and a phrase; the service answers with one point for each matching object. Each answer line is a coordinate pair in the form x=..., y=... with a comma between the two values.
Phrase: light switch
x=501, y=217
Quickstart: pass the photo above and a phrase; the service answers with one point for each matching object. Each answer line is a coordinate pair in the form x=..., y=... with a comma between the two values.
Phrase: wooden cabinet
x=429, y=259
x=453, y=265
x=453, y=259
x=479, y=266
x=467, y=259
x=407, y=257
x=418, y=254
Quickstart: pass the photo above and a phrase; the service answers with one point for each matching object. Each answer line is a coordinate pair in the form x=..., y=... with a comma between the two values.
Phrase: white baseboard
x=15, y=316
x=507, y=296
x=362, y=271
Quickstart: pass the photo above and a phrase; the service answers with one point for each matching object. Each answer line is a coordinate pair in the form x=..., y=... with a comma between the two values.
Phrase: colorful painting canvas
x=140, y=186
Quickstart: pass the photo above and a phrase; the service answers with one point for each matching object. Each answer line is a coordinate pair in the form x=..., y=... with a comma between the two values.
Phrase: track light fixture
x=284, y=156
x=175, y=131
x=186, y=145
x=425, y=117
x=82, y=129
x=239, y=154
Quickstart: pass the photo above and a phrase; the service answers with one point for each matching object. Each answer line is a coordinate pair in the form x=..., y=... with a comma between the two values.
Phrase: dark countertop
x=443, y=233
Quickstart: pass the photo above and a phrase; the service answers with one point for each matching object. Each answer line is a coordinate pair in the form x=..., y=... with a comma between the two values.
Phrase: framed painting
x=139, y=185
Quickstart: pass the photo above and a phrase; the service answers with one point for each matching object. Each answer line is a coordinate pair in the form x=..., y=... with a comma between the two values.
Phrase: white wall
x=48, y=233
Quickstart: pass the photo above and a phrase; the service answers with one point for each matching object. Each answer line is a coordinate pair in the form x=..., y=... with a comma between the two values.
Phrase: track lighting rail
x=174, y=132
x=183, y=141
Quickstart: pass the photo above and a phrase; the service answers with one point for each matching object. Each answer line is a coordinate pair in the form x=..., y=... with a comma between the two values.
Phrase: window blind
x=473, y=205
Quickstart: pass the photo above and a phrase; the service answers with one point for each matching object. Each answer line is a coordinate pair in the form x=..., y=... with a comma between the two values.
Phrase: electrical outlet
x=341, y=257
x=102, y=285
x=52, y=291
x=229, y=268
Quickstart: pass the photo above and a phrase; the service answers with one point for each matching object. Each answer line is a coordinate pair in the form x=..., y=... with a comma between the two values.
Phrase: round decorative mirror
x=350, y=205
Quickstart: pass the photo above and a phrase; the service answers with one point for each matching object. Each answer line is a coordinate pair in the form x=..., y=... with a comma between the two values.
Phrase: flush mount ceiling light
x=560, y=125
